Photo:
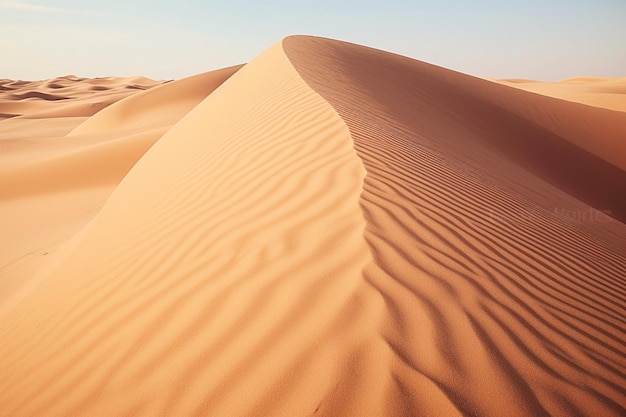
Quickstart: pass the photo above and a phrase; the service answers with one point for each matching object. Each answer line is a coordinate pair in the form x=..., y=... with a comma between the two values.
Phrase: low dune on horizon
x=603, y=92
x=329, y=230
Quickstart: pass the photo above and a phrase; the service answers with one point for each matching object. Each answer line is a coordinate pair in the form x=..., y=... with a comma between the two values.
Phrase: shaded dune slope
x=579, y=149
x=503, y=287
x=223, y=276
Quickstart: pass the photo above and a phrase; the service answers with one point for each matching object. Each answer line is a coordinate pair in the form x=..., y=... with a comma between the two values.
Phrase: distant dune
x=327, y=230
x=608, y=93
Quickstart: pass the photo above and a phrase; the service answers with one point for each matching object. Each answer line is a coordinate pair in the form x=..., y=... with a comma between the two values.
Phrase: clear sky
x=538, y=39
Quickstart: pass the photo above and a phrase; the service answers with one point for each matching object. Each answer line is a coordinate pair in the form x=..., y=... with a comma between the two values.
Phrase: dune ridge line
x=223, y=275
x=489, y=311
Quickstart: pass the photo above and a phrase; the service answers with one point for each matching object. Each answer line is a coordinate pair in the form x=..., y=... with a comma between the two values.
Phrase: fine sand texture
x=327, y=230
x=502, y=278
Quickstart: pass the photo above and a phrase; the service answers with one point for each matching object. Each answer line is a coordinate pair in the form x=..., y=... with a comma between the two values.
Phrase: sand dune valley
x=327, y=230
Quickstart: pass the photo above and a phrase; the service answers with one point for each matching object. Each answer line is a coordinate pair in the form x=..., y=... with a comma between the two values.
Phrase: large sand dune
x=327, y=230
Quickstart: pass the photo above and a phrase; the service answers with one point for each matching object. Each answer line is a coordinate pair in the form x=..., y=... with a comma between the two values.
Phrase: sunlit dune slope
x=46, y=188
x=224, y=269
x=608, y=93
x=67, y=96
x=52, y=184
x=328, y=230
x=104, y=147
x=164, y=104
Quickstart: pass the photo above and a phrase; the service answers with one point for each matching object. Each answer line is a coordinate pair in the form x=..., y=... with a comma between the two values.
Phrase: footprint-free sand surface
x=327, y=230
x=600, y=92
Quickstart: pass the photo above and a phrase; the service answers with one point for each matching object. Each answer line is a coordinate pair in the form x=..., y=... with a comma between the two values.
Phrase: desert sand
x=600, y=92
x=326, y=230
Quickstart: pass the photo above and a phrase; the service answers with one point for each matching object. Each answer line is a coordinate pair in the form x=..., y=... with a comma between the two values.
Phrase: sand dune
x=327, y=230
x=608, y=93
x=41, y=99
x=261, y=263
x=47, y=161
x=163, y=105
x=40, y=209
x=495, y=296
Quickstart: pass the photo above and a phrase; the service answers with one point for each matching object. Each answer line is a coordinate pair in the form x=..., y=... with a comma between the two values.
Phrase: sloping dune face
x=328, y=230
x=167, y=103
x=503, y=281
x=223, y=276
x=50, y=185
x=608, y=93
x=66, y=96
x=57, y=168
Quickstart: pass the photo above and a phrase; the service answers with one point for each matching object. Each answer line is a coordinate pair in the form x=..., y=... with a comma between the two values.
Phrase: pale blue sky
x=539, y=39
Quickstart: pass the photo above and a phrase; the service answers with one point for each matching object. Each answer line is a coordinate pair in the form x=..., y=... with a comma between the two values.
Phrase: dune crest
x=224, y=272
x=328, y=230
x=162, y=105
x=493, y=294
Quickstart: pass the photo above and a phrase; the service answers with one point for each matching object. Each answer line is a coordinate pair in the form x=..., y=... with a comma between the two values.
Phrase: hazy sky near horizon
x=537, y=39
